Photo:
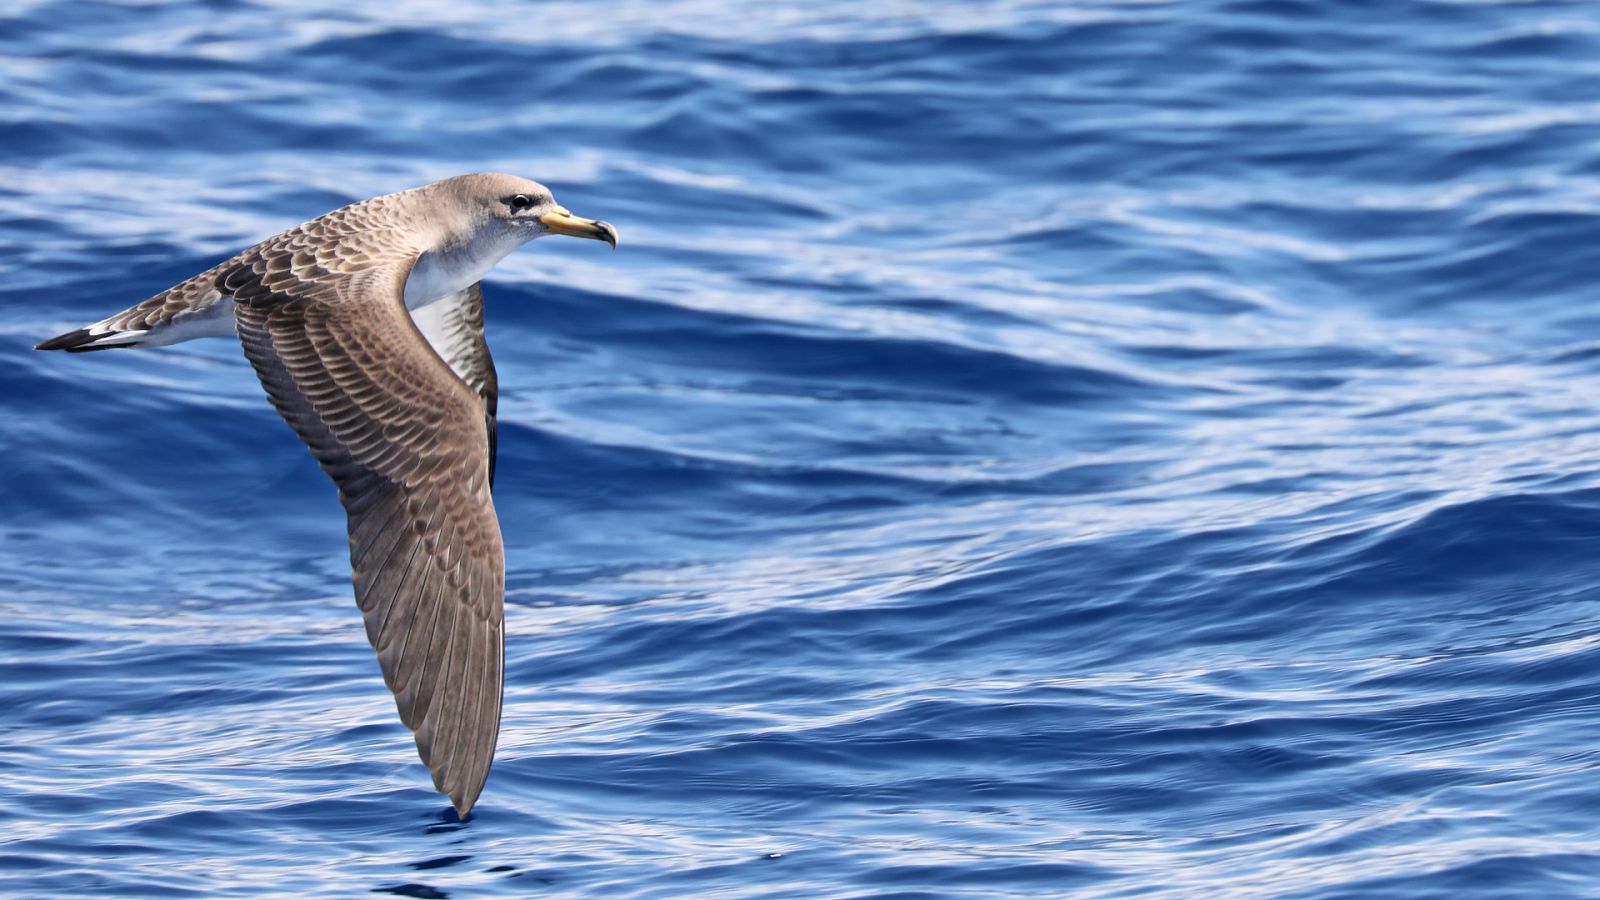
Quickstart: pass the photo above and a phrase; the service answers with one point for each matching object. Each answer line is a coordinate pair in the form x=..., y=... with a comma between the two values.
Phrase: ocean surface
x=1102, y=449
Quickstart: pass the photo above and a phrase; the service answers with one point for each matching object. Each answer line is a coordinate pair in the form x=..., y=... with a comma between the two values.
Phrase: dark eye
x=520, y=202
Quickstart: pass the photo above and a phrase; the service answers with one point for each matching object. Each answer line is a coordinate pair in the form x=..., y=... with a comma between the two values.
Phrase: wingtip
x=464, y=802
x=462, y=796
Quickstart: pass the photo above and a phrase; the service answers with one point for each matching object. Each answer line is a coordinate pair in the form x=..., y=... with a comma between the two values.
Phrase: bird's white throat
x=440, y=273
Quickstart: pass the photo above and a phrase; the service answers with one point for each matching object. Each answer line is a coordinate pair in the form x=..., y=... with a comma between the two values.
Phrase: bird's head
x=520, y=209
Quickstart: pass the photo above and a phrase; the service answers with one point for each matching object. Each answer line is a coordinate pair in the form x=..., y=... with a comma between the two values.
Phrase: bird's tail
x=99, y=336
x=190, y=309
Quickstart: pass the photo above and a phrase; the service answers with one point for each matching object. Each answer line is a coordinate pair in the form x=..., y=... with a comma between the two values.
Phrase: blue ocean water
x=1098, y=449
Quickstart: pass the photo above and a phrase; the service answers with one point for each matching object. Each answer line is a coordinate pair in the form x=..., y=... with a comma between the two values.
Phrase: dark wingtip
x=464, y=802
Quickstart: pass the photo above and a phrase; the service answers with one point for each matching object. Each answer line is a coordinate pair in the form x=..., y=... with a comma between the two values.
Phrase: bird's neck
x=448, y=268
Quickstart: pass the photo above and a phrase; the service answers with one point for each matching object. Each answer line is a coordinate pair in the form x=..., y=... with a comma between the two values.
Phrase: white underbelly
x=215, y=320
x=432, y=279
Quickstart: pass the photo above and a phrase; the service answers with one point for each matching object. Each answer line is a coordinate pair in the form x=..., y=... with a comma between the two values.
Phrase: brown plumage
x=401, y=418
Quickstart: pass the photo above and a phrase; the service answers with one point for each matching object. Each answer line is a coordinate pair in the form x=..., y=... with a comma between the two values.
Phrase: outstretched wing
x=404, y=440
x=453, y=326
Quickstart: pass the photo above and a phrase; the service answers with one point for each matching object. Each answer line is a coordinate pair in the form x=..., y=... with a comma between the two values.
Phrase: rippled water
x=1021, y=448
